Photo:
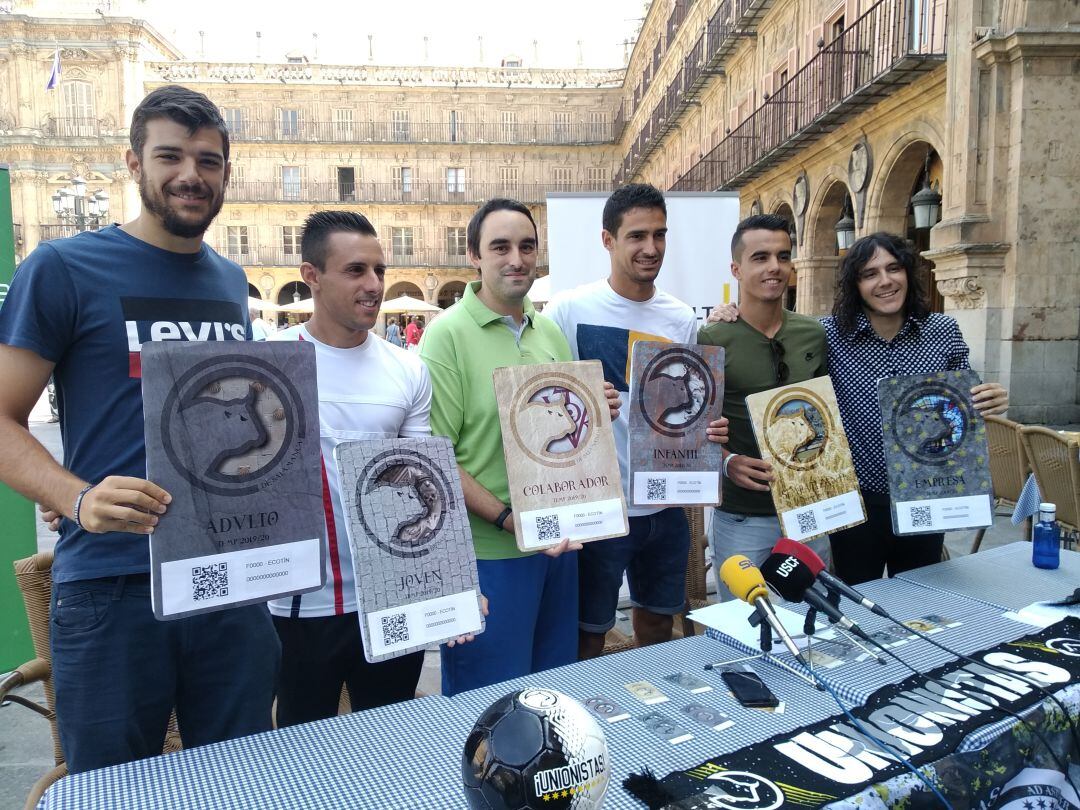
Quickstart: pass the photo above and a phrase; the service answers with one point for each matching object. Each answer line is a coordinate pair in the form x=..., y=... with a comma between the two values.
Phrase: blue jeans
x=531, y=626
x=119, y=672
x=752, y=536
x=653, y=555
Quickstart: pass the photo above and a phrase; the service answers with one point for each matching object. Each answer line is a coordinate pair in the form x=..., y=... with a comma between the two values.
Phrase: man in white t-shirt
x=602, y=321
x=368, y=389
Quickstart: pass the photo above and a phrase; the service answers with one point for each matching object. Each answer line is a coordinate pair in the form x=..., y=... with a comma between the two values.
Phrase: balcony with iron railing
x=463, y=132
x=57, y=231
x=732, y=21
x=65, y=127
x=256, y=191
x=889, y=46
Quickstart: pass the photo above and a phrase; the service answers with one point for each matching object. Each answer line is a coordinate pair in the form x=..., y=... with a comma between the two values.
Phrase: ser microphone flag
x=745, y=582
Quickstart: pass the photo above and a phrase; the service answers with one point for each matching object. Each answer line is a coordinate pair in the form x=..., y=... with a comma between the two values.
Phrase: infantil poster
x=799, y=432
x=676, y=390
x=412, y=551
x=232, y=433
x=936, y=453
x=560, y=454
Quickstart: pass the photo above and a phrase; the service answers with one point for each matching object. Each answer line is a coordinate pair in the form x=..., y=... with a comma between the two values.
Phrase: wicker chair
x=1055, y=460
x=1008, y=465
x=34, y=578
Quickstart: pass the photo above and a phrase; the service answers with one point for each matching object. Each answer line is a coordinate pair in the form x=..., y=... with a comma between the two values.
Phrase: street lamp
x=845, y=226
x=926, y=203
x=74, y=206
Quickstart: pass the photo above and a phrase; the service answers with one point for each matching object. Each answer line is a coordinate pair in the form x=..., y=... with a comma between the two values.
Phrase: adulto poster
x=412, y=551
x=560, y=454
x=232, y=433
x=799, y=432
x=936, y=453
x=676, y=390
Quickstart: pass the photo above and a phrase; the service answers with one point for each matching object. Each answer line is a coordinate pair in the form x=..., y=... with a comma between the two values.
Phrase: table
x=409, y=755
x=1003, y=577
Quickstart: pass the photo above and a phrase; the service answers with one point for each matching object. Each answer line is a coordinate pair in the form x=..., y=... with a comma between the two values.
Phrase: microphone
x=745, y=582
x=794, y=580
x=817, y=567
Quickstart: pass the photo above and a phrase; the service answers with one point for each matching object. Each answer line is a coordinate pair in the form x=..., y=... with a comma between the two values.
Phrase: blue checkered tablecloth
x=396, y=757
x=408, y=755
x=1002, y=576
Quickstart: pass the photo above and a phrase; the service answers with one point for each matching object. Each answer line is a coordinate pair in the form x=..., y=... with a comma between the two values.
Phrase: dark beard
x=172, y=223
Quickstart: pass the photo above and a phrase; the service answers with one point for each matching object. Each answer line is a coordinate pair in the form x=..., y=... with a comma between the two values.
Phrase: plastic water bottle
x=1046, y=541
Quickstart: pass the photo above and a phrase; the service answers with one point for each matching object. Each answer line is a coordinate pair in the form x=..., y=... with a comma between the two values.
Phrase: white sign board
x=697, y=262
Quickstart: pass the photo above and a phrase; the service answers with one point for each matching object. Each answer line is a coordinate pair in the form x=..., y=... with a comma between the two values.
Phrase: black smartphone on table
x=748, y=688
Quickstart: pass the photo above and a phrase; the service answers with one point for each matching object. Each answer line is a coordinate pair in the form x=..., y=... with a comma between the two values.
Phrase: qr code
x=395, y=629
x=920, y=517
x=657, y=489
x=209, y=581
x=547, y=528
x=807, y=522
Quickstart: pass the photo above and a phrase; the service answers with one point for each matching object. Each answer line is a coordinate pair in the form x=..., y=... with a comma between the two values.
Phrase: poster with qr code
x=560, y=454
x=936, y=453
x=799, y=432
x=412, y=550
x=676, y=390
x=232, y=435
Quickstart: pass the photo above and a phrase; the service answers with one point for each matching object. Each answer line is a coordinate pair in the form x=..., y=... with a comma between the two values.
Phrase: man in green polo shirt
x=765, y=348
x=533, y=598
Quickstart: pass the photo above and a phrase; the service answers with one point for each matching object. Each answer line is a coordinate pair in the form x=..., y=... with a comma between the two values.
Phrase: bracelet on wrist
x=501, y=519
x=727, y=461
x=78, y=504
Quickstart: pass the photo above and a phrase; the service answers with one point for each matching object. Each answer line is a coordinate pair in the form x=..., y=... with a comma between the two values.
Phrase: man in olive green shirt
x=765, y=348
x=533, y=598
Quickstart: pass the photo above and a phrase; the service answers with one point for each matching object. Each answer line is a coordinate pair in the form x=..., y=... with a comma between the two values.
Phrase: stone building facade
x=815, y=109
x=414, y=148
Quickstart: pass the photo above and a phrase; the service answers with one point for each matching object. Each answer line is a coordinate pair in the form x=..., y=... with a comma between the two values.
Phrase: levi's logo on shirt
x=149, y=320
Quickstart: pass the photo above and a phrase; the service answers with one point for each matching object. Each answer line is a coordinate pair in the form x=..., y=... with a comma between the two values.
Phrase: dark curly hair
x=848, y=303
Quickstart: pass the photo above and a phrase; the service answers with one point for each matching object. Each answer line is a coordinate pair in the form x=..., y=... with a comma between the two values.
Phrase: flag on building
x=54, y=73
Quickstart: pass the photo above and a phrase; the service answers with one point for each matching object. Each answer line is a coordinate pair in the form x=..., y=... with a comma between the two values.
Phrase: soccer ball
x=535, y=749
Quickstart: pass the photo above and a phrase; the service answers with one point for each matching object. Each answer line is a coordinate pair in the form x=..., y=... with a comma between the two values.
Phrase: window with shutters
x=78, y=113
x=235, y=121
x=290, y=182
x=399, y=125
x=509, y=126
x=598, y=178
x=455, y=241
x=562, y=177
x=401, y=241
x=403, y=177
x=561, y=126
x=236, y=241
x=455, y=180
x=599, y=125
x=343, y=124
x=289, y=123
x=290, y=240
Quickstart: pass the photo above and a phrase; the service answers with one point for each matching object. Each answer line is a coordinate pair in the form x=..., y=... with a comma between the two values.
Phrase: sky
x=398, y=29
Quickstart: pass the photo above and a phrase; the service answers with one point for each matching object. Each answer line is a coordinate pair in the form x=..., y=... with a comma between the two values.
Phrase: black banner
x=924, y=717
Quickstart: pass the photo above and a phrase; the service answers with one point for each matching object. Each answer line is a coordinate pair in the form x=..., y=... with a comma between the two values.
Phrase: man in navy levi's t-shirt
x=80, y=309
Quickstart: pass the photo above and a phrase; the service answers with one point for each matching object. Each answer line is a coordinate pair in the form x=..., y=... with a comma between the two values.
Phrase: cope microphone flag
x=745, y=582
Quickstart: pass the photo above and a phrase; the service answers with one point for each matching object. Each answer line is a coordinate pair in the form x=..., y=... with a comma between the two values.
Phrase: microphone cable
x=991, y=702
x=907, y=763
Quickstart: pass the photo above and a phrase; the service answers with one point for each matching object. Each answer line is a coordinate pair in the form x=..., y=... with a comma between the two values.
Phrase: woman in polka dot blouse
x=882, y=326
